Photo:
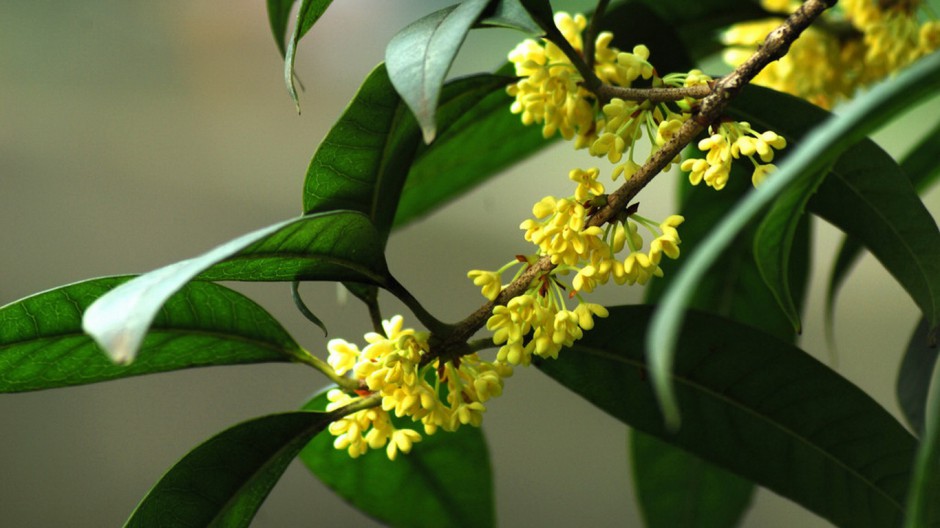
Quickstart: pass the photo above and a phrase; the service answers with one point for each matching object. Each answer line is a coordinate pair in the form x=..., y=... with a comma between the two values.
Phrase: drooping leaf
x=509, y=14
x=816, y=151
x=734, y=289
x=923, y=502
x=676, y=488
x=922, y=167
x=341, y=245
x=774, y=241
x=223, y=481
x=451, y=165
x=42, y=344
x=913, y=381
x=310, y=11
x=444, y=481
x=756, y=406
x=419, y=56
x=278, y=16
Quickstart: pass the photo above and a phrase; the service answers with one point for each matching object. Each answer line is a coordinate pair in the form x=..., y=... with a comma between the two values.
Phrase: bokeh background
x=136, y=134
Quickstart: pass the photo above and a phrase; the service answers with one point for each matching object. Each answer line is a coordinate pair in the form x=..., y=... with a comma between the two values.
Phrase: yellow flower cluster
x=729, y=141
x=390, y=365
x=855, y=44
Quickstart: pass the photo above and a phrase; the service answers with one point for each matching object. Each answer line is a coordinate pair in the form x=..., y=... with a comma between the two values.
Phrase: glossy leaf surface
x=754, y=405
x=444, y=481
x=419, y=56
x=333, y=246
x=42, y=344
x=223, y=481
x=842, y=201
x=509, y=14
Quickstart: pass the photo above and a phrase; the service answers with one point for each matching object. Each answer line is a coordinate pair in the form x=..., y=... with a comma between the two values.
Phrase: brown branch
x=606, y=92
x=774, y=47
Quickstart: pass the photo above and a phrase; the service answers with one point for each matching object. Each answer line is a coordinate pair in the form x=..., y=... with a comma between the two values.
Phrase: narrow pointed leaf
x=756, y=406
x=278, y=16
x=310, y=11
x=922, y=167
x=913, y=381
x=332, y=246
x=677, y=488
x=364, y=160
x=42, y=344
x=818, y=149
x=223, y=481
x=444, y=481
x=702, y=494
x=923, y=505
x=419, y=56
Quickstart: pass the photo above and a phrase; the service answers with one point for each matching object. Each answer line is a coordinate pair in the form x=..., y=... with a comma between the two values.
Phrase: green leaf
x=923, y=502
x=444, y=481
x=223, y=481
x=278, y=15
x=310, y=11
x=419, y=56
x=333, y=246
x=818, y=149
x=913, y=381
x=362, y=162
x=774, y=241
x=756, y=406
x=42, y=344
x=509, y=14
x=922, y=167
x=452, y=165
x=676, y=488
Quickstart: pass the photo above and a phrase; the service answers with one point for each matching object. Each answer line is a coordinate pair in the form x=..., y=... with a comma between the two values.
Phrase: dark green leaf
x=361, y=164
x=278, y=15
x=452, y=165
x=922, y=166
x=735, y=290
x=756, y=406
x=923, y=502
x=774, y=241
x=42, y=344
x=223, y=481
x=419, y=56
x=913, y=381
x=363, y=161
x=836, y=198
x=677, y=488
x=310, y=11
x=509, y=14
x=445, y=481
x=340, y=245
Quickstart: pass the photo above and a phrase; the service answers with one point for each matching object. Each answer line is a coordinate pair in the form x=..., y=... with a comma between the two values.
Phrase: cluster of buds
x=436, y=395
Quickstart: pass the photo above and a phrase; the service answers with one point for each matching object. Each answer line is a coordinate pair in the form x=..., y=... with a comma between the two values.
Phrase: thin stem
x=307, y=358
x=365, y=403
x=435, y=325
x=606, y=92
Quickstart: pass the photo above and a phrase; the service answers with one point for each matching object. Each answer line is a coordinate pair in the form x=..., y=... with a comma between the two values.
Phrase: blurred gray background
x=135, y=134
